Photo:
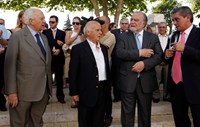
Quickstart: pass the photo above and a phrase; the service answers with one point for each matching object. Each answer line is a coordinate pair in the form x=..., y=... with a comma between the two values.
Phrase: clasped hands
x=55, y=51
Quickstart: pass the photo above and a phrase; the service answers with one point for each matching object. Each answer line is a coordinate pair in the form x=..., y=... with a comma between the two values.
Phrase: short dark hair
x=54, y=16
x=183, y=11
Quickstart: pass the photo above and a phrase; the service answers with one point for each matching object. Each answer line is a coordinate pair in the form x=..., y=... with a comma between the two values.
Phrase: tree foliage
x=165, y=7
x=196, y=7
x=108, y=7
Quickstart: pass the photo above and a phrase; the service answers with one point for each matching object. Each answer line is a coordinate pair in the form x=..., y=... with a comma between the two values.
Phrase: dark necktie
x=40, y=45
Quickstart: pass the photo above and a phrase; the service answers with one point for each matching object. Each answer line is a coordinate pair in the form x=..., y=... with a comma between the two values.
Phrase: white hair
x=30, y=13
x=89, y=26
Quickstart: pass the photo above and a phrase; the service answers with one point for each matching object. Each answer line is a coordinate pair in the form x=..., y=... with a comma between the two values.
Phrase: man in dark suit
x=139, y=52
x=124, y=24
x=28, y=81
x=184, y=68
x=88, y=77
x=56, y=39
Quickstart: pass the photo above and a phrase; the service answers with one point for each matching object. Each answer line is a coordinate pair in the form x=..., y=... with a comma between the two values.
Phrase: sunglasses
x=52, y=22
x=124, y=23
x=77, y=23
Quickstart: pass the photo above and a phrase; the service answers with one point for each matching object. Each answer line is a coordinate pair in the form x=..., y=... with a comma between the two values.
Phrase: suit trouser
x=128, y=105
x=59, y=71
x=93, y=116
x=161, y=73
x=28, y=114
x=180, y=108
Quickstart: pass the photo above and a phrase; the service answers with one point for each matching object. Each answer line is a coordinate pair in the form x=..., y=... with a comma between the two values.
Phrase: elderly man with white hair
x=28, y=72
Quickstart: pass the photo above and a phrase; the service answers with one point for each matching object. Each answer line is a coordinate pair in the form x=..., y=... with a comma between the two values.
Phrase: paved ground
x=61, y=115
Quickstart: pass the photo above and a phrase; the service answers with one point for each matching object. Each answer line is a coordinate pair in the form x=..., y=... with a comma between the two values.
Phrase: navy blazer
x=60, y=35
x=190, y=65
x=83, y=73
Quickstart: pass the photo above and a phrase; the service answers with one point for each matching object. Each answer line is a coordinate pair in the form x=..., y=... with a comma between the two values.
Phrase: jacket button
x=97, y=76
x=97, y=86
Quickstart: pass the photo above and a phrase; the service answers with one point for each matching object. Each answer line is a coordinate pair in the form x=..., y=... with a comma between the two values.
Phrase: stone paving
x=61, y=115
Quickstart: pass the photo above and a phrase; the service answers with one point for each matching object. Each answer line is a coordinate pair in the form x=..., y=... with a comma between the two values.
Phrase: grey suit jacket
x=127, y=51
x=27, y=73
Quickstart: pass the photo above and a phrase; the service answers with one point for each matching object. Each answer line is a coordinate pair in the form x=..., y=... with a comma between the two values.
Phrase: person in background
x=20, y=22
x=72, y=38
x=108, y=40
x=124, y=25
x=183, y=57
x=28, y=81
x=3, y=44
x=89, y=77
x=140, y=52
x=56, y=39
x=161, y=69
x=112, y=26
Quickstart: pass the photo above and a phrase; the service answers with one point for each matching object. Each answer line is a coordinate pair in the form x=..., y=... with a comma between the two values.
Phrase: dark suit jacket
x=60, y=35
x=83, y=73
x=190, y=65
x=128, y=52
x=27, y=73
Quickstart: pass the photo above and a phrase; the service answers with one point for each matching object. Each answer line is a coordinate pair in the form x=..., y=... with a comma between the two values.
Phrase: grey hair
x=89, y=26
x=29, y=13
x=124, y=19
x=162, y=23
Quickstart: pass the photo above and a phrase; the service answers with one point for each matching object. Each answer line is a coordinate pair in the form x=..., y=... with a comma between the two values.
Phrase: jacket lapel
x=30, y=39
x=88, y=51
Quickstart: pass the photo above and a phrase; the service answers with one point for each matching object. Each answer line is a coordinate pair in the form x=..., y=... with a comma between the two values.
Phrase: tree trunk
x=105, y=7
x=96, y=8
x=118, y=11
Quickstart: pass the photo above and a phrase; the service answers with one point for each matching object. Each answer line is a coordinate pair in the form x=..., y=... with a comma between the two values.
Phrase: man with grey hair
x=139, y=52
x=28, y=72
x=161, y=69
x=88, y=77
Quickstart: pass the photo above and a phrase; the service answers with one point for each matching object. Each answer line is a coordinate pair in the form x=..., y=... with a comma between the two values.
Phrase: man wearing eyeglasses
x=56, y=39
x=161, y=69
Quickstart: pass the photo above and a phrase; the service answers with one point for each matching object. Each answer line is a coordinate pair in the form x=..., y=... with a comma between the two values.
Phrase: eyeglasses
x=52, y=22
x=77, y=23
x=1, y=23
x=124, y=23
x=161, y=27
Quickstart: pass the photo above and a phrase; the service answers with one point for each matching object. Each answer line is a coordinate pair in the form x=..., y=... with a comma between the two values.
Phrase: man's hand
x=169, y=53
x=13, y=100
x=2, y=50
x=178, y=47
x=55, y=51
x=75, y=98
x=138, y=67
x=147, y=53
x=59, y=42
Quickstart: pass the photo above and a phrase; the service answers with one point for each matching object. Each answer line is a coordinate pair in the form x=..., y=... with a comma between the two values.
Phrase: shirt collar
x=33, y=32
x=93, y=45
x=162, y=35
x=187, y=31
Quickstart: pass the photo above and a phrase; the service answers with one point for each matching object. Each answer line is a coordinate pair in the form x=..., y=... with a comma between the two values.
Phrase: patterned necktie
x=176, y=66
x=138, y=41
x=40, y=45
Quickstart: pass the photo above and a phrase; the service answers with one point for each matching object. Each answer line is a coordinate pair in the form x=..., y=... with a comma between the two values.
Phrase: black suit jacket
x=128, y=53
x=60, y=35
x=190, y=65
x=83, y=73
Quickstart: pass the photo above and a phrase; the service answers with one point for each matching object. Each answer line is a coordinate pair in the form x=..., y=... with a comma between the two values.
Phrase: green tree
x=196, y=7
x=108, y=7
x=165, y=7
